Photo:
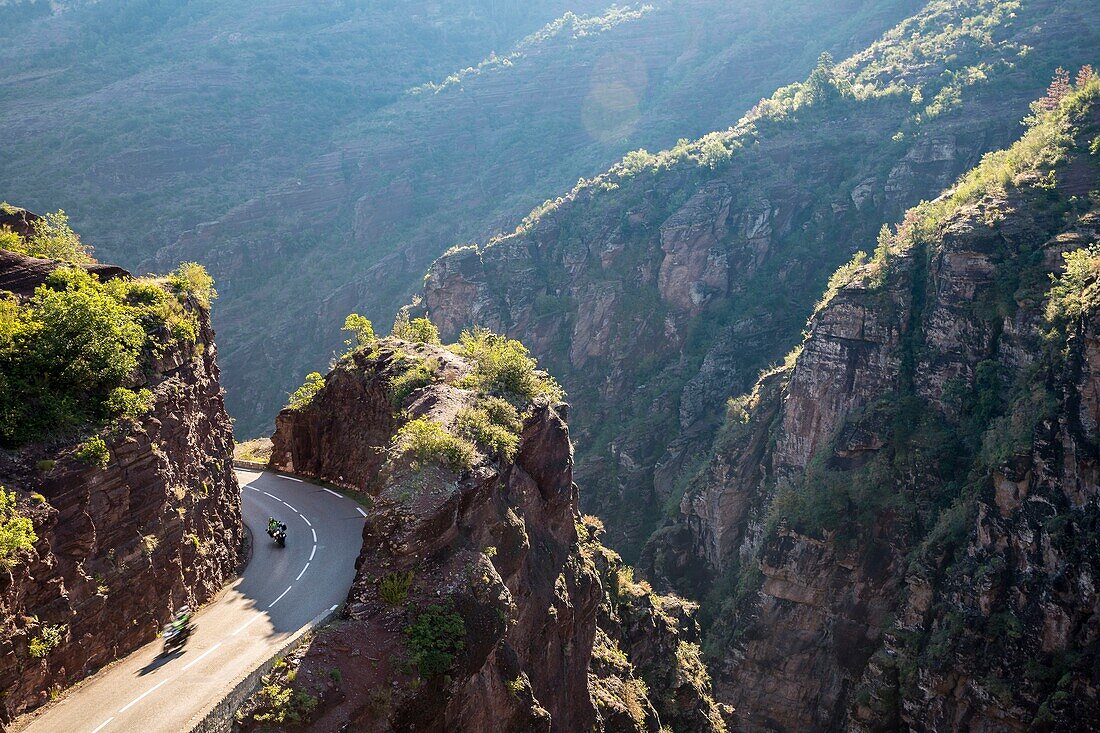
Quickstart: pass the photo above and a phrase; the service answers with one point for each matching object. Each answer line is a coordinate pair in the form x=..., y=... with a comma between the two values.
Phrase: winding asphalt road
x=280, y=591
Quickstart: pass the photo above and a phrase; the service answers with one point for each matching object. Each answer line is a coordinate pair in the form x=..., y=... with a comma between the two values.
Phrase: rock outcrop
x=480, y=595
x=661, y=288
x=902, y=522
x=119, y=547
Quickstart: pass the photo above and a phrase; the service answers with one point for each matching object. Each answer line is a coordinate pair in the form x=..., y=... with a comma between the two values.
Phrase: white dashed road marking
x=197, y=659
x=281, y=596
x=257, y=616
x=139, y=698
x=247, y=624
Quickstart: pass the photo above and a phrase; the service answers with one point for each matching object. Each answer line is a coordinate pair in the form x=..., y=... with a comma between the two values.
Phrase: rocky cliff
x=899, y=527
x=124, y=534
x=482, y=601
x=659, y=289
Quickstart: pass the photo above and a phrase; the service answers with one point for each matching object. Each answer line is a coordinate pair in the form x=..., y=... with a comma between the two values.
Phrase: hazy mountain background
x=318, y=156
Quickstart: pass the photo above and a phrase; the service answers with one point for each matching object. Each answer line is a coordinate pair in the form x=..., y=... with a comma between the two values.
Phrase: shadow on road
x=160, y=661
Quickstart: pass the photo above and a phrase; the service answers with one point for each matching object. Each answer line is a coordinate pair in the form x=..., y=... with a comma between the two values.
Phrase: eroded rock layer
x=118, y=547
x=901, y=524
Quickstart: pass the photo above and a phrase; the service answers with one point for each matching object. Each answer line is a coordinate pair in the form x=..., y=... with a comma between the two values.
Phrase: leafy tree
x=304, y=395
x=823, y=85
x=1059, y=87
x=361, y=330
x=62, y=353
x=191, y=277
x=81, y=334
x=418, y=329
x=66, y=352
x=1075, y=292
x=53, y=238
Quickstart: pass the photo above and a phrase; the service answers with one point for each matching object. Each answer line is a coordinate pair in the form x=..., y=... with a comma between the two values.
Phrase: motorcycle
x=175, y=634
x=278, y=533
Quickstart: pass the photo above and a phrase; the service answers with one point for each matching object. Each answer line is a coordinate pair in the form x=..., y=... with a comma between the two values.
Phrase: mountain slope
x=900, y=527
x=286, y=143
x=661, y=288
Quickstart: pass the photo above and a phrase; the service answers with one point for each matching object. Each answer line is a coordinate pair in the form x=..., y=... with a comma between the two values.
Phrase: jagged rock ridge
x=899, y=528
x=554, y=634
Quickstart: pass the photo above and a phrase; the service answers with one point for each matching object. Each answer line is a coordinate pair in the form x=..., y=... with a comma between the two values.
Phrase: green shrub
x=191, y=277
x=501, y=412
x=426, y=440
x=418, y=329
x=51, y=238
x=1075, y=292
x=420, y=374
x=94, y=451
x=47, y=641
x=361, y=330
x=502, y=367
x=394, y=587
x=284, y=706
x=125, y=402
x=477, y=425
x=516, y=686
x=66, y=350
x=304, y=395
x=434, y=638
x=10, y=240
x=149, y=544
x=16, y=531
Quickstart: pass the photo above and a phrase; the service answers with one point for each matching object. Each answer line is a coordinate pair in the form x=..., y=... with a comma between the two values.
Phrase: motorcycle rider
x=274, y=524
x=182, y=619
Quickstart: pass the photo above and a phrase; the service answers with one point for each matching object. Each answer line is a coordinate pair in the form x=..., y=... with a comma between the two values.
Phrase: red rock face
x=529, y=611
x=119, y=548
x=951, y=608
x=21, y=275
x=497, y=544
